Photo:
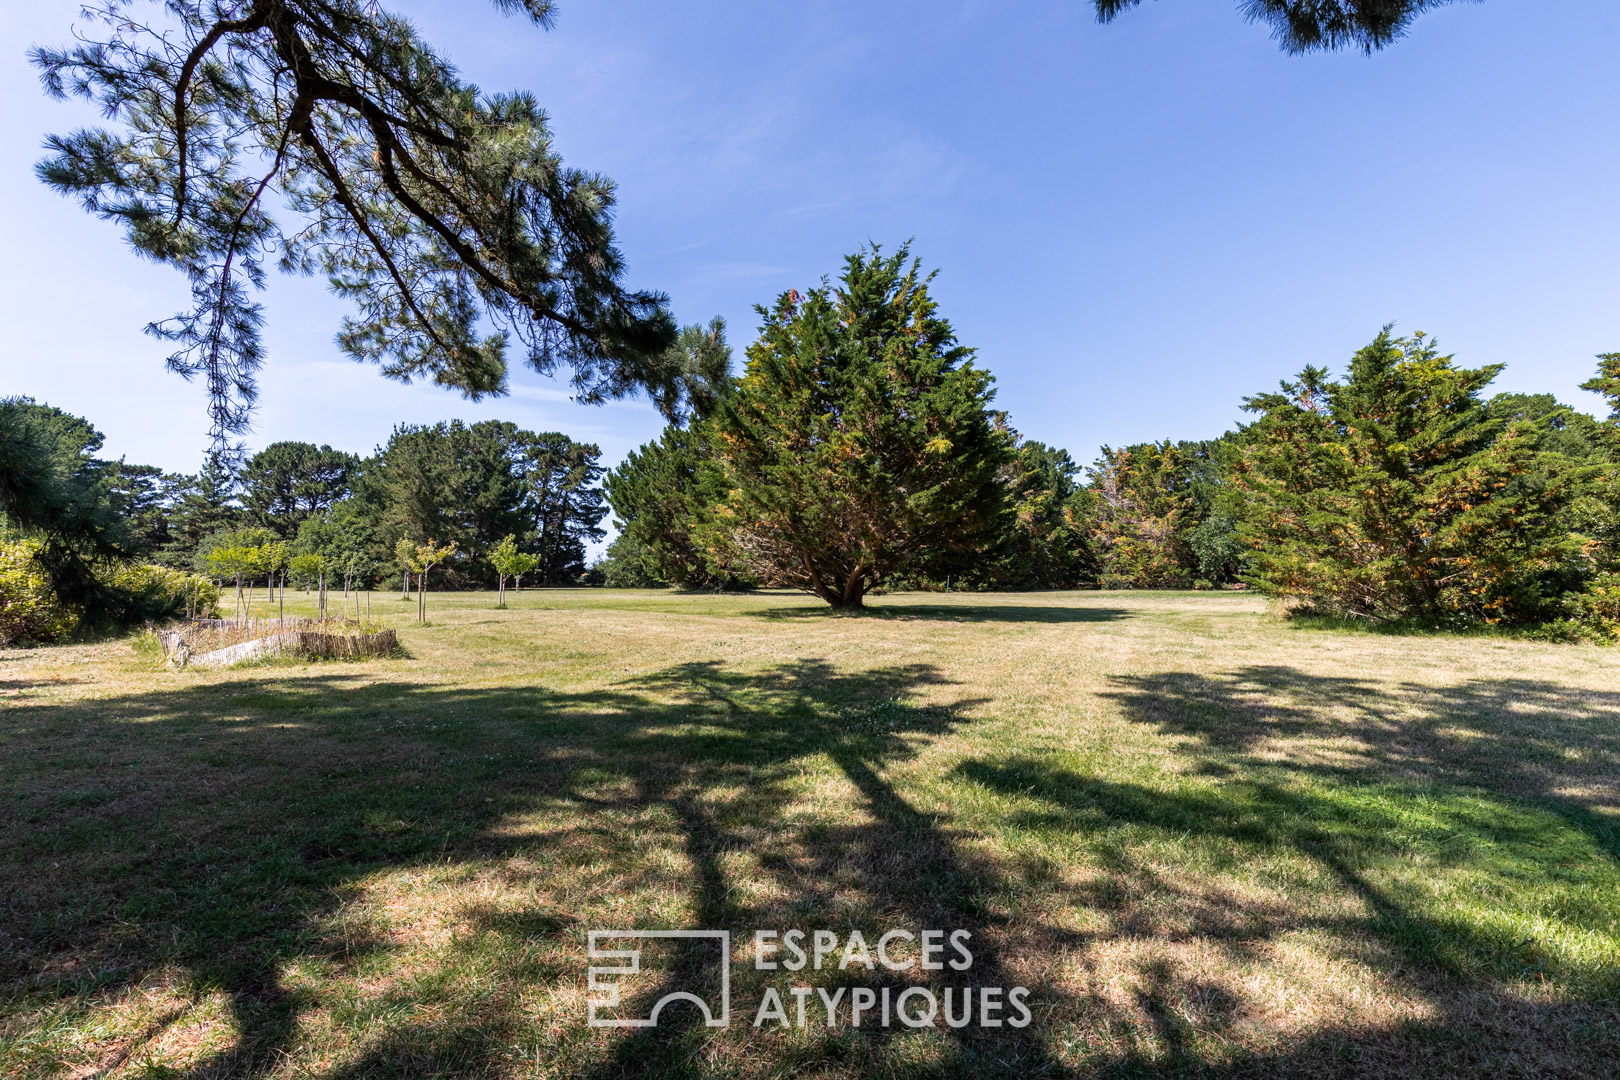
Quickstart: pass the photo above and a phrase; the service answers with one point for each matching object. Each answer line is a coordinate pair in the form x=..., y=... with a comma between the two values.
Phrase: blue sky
x=1136, y=224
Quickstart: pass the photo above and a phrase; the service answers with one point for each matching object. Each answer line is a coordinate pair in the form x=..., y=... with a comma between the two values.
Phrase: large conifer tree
x=287, y=482
x=1395, y=493
x=859, y=442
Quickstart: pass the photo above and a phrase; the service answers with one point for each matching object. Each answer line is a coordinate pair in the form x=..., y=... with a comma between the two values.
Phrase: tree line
x=859, y=450
x=470, y=486
x=510, y=504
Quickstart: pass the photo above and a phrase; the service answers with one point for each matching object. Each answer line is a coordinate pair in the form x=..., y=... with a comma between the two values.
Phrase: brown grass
x=1210, y=843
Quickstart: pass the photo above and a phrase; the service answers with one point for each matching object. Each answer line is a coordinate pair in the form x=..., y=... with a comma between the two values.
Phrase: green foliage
x=859, y=444
x=662, y=492
x=155, y=593
x=76, y=523
x=286, y=483
x=696, y=374
x=511, y=563
x=200, y=506
x=476, y=483
x=1397, y=494
x=30, y=610
x=236, y=553
x=144, y=497
x=1045, y=543
x=54, y=491
x=343, y=537
x=564, y=500
x=306, y=567
x=442, y=213
x=1607, y=383
x=624, y=566
x=420, y=559
x=1144, y=513
x=662, y=495
x=1301, y=26
x=1594, y=612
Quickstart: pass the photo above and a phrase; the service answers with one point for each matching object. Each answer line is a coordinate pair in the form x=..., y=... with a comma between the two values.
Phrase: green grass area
x=1211, y=843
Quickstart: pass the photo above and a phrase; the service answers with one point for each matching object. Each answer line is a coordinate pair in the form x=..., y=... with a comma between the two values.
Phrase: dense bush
x=29, y=610
x=154, y=593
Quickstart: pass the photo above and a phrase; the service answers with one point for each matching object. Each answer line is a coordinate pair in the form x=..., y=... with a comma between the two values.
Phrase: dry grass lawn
x=1211, y=843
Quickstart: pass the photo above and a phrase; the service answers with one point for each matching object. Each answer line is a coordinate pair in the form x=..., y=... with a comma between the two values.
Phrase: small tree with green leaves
x=306, y=567
x=311, y=567
x=510, y=563
x=405, y=560
x=241, y=557
x=423, y=558
x=273, y=564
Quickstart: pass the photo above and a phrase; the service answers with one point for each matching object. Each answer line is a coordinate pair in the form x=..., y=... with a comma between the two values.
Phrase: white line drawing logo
x=606, y=994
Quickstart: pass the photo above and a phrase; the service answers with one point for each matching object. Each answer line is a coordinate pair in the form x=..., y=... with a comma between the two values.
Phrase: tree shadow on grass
x=1503, y=785
x=219, y=831
x=238, y=819
x=965, y=613
x=1537, y=740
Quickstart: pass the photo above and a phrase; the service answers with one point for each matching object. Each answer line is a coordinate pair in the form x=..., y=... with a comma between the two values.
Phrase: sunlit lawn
x=1211, y=843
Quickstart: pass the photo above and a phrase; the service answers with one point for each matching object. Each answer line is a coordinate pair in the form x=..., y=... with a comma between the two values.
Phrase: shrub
x=29, y=609
x=1595, y=613
x=31, y=613
x=154, y=593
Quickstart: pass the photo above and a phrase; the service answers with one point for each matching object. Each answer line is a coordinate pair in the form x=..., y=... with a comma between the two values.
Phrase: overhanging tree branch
x=443, y=213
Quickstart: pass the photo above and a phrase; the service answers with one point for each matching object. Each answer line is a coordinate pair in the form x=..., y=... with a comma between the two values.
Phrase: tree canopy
x=473, y=484
x=1308, y=25
x=440, y=211
x=1395, y=493
x=286, y=482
